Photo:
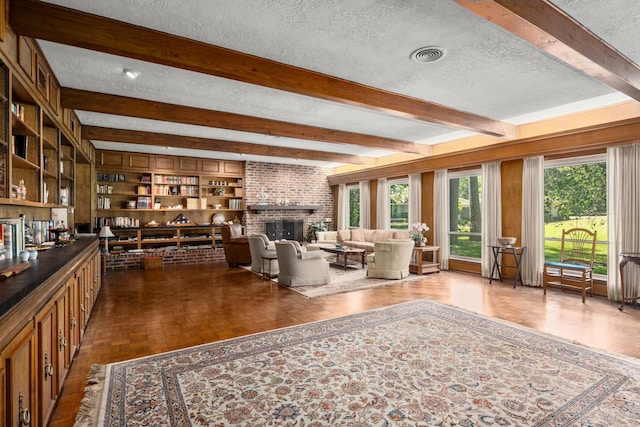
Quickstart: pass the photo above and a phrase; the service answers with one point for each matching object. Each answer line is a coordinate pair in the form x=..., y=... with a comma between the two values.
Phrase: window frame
x=398, y=181
x=575, y=161
x=466, y=173
x=349, y=188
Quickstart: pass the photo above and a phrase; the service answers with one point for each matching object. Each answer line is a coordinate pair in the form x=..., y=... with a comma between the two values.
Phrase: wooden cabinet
x=129, y=196
x=37, y=155
x=46, y=361
x=19, y=359
x=205, y=236
x=35, y=360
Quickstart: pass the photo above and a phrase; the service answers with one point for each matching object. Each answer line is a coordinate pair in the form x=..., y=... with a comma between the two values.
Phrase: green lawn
x=598, y=224
x=472, y=248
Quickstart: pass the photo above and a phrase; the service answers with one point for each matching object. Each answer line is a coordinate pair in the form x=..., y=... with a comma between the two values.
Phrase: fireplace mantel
x=262, y=208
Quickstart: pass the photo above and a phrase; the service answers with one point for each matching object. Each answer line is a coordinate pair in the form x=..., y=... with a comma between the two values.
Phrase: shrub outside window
x=465, y=215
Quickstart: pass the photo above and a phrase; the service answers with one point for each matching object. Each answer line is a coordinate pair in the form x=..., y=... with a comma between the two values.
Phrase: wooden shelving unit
x=134, y=189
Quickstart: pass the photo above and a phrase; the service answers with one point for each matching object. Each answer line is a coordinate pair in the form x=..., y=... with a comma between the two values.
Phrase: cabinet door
x=140, y=161
x=46, y=363
x=112, y=159
x=61, y=343
x=211, y=166
x=233, y=168
x=19, y=358
x=73, y=340
x=166, y=163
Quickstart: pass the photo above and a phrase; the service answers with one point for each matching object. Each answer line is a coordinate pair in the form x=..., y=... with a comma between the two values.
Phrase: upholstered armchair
x=260, y=247
x=236, y=246
x=390, y=259
x=299, y=267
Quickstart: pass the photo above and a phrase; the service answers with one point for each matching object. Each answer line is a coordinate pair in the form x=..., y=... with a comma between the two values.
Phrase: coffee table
x=345, y=252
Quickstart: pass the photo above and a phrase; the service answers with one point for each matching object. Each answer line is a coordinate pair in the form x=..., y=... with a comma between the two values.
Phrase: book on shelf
x=144, y=202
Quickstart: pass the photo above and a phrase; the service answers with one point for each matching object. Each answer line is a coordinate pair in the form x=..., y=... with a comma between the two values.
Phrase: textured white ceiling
x=486, y=71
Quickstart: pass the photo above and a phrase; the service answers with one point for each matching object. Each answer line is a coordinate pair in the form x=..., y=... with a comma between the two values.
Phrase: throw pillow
x=236, y=230
x=344, y=235
x=357, y=235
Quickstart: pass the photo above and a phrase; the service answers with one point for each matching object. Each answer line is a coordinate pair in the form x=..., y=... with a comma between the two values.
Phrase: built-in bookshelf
x=135, y=196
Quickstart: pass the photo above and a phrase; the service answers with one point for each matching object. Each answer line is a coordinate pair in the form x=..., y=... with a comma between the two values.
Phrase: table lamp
x=106, y=232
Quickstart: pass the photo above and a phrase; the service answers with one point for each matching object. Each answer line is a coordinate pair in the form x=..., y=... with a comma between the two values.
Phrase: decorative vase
x=24, y=256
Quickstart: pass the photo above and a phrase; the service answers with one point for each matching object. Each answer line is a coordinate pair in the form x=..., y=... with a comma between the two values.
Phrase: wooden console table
x=420, y=265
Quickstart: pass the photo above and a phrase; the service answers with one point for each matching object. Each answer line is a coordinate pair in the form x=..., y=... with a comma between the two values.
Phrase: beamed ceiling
x=330, y=82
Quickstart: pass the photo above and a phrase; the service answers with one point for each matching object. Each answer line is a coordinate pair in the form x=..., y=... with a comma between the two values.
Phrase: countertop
x=15, y=288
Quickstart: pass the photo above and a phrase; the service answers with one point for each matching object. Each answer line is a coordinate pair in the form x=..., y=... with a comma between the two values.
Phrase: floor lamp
x=106, y=233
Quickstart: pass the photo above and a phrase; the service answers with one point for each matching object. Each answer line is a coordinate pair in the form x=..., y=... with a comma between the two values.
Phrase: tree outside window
x=465, y=215
x=399, y=205
x=354, y=206
x=575, y=195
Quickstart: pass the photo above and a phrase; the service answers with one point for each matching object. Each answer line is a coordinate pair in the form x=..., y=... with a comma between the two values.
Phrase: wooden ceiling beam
x=71, y=27
x=165, y=140
x=133, y=107
x=549, y=28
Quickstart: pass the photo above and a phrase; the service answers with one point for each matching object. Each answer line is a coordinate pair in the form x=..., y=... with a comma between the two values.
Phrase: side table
x=625, y=258
x=266, y=273
x=421, y=265
x=516, y=252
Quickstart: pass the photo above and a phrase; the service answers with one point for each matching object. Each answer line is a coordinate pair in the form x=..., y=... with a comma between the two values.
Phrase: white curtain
x=365, y=205
x=441, y=216
x=415, y=198
x=533, y=220
x=491, y=213
x=382, y=206
x=623, y=213
x=343, y=208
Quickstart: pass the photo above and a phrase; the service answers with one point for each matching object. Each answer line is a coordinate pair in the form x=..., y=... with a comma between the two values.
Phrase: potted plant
x=314, y=228
x=417, y=233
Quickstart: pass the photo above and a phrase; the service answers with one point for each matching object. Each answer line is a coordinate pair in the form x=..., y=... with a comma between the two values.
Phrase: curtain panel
x=491, y=213
x=441, y=216
x=365, y=204
x=623, y=213
x=533, y=220
x=415, y=198
x=343, y=208
x=383, y=214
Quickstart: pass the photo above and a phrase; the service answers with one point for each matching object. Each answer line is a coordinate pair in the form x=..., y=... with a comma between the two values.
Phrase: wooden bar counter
x=44, y=311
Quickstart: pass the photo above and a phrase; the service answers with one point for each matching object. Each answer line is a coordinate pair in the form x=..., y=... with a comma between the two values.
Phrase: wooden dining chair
x=575, y=268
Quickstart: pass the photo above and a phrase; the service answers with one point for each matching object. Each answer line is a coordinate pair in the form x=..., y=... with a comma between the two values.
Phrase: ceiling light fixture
x=428, y=54
x=132, y=74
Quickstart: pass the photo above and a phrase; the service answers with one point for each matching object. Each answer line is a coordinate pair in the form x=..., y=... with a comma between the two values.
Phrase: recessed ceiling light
x=132, y=74
x=428, y=54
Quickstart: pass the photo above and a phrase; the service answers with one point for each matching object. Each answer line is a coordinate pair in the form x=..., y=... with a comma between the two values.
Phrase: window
x=465, y=220
x=399, y=204
x=354, y=206
x=575, y=195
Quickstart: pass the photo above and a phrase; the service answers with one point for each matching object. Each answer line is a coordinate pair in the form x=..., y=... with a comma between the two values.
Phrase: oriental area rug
x=413, y=364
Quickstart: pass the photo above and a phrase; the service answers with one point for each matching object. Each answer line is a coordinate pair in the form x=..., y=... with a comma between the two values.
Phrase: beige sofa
x=390, y=260
x=363, y=238
x=324, y=239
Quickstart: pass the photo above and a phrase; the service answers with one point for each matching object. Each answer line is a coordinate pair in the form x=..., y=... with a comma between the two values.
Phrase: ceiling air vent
x=428, y=54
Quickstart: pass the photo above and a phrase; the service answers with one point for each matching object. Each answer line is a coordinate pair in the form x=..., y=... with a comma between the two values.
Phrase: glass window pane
x=575, y=195
x=465, y=220
x=354, y=207
x=399, y=205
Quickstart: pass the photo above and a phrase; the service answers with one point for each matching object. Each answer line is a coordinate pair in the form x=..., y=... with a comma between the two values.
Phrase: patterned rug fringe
x=87, y=415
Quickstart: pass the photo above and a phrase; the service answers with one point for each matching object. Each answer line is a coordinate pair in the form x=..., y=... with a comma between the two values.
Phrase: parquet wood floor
x=139, y=313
